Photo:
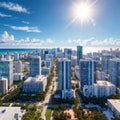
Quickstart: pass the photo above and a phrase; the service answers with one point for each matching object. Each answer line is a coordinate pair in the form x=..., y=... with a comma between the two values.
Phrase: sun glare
x=82, y=12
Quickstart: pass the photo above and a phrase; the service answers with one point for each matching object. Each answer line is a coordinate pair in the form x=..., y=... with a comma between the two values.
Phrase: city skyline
x=48, y=24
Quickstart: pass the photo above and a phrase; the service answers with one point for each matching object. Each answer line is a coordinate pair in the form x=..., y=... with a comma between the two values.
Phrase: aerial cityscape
x=59, y=60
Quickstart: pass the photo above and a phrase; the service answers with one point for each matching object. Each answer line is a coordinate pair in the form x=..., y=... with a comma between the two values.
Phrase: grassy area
x=48, y=114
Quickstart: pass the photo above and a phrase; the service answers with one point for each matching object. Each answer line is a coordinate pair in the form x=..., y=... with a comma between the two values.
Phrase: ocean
x=19, y=50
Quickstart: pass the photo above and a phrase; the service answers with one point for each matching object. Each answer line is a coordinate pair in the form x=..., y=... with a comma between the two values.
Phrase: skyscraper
x=105, y=59
x=6, y=70
x=67, y=53
x=114, y=71
x=79, y=54
x=35, y=65
x=18, y=67
x=64, y=74
x=87, y=72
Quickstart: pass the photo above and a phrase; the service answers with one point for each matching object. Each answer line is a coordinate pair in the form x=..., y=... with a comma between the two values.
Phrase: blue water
x=2, y=51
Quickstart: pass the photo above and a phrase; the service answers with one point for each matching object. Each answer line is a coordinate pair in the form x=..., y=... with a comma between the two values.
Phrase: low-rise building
x=11, y=113
x=99, y=89
x=35, y=84
x=114, y=105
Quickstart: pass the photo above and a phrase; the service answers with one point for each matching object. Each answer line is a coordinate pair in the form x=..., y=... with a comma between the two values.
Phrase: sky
x=48, y=23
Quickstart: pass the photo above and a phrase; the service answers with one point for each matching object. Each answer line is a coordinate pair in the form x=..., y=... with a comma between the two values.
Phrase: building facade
x=35, y=84
x=87, y=72
x=79, y=54
x=64, y=74
x=6, y=70
x=114, y=71
x=99, y=89
x=35, y=65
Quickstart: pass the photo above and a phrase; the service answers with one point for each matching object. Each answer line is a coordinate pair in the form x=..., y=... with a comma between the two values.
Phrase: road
x=47, y=98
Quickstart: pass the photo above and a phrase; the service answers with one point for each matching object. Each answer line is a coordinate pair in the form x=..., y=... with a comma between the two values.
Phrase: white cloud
x=49, y=40
x=25, y=22
x=4, y=15
x=25, y=28
x=5, y=37
x=13, y=7
x=92, y=42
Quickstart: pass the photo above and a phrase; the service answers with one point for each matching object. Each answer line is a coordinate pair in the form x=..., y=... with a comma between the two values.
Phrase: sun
x=82, y=12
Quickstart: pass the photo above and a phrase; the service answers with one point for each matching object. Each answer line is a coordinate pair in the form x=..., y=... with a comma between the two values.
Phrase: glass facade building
x=35, y=65
x=114, y=71
x=87, y=72
x=64, y=74
x=79, y=54
x=6, y=70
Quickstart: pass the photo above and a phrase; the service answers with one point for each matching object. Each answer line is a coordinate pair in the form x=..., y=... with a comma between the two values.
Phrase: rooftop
x=115, y=103
x=103, y=82
x=11, y=113
x=35, y=79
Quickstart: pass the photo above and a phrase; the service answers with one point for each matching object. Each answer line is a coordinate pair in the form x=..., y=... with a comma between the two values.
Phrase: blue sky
x=45, y=23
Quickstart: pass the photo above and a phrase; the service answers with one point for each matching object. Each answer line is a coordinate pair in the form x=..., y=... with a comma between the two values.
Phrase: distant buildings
x=79, y=54
x=114, y=105
x=6, y=70
x=114, y=71
x=87, y=72
x=35, y=65
x=99, y=89
x=35, y=84
x=3, y=85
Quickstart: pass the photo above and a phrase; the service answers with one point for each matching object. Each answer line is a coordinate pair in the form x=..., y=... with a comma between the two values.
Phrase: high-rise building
x=79, y=54
x=3, y=85
x=114, y=71
x=35, y=65
x=6, y=70
x=105, y=60
x=18, y=67
x=87, y=72
x=67, y=53
x=64, y=74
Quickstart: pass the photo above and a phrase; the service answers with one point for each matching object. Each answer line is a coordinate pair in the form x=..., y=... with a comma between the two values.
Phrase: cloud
x=25, y=22
x=92, y=42
x=24, y=28
x=4, y=15
x=5, y=37
x=49, y=40
x=13, y=7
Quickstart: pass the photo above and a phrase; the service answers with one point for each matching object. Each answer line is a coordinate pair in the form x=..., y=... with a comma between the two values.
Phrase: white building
x=18, y=67
x=3, y=85
x=35, y=84
x=114, y=105
x=11, y=113
x=99, y=89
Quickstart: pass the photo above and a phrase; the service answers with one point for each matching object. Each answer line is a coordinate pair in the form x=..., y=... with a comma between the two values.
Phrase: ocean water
x=19, y=50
